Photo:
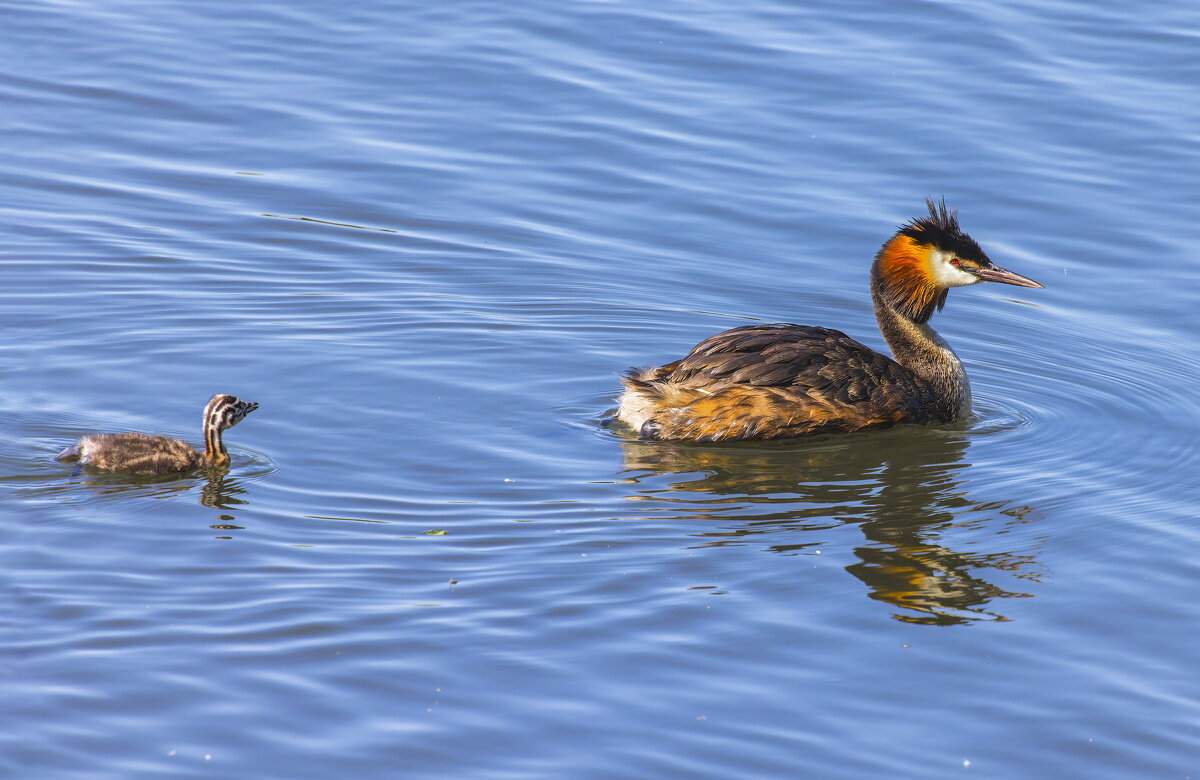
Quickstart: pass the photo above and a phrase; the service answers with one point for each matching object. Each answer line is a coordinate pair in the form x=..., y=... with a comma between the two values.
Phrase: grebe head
x=222, y=412
x=225, y=411
x=926, y=257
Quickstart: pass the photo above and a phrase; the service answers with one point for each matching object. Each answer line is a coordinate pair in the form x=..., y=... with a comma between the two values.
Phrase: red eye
x=955, y=261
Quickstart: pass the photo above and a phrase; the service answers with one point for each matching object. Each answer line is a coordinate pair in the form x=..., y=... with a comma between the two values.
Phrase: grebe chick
x=779, y=381
x=140, y=453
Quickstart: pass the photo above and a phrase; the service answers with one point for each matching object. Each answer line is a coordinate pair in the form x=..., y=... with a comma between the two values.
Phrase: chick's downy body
x=146, y=454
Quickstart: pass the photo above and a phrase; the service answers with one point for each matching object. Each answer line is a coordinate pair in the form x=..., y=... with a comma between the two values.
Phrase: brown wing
x=773, y=381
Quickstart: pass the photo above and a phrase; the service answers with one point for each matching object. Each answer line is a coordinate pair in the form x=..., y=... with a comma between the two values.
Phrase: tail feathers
x=640, y=400
x=640, y=378
x=650, y=404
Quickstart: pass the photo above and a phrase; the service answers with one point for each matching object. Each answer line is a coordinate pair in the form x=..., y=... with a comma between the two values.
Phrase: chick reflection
x=219, y=490
x=901, y=487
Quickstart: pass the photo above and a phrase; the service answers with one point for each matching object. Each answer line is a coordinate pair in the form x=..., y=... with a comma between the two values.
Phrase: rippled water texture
x=427, y=238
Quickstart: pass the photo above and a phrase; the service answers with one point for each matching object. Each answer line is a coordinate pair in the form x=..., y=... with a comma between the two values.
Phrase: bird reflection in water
x=218, y=489
x=221, y=491
x=903, y=488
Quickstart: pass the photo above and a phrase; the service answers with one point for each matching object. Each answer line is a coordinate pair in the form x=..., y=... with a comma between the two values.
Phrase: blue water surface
x=427, y=238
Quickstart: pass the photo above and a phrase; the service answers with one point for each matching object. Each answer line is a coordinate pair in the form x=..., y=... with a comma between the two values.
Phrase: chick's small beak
x=251, y=405
x=997, y=274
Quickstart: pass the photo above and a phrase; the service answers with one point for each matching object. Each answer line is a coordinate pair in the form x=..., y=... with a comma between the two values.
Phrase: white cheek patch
x=947, y=275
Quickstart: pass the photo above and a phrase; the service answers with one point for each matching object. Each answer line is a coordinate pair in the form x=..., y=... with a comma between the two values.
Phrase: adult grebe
x=140, y=453
x=779, y=381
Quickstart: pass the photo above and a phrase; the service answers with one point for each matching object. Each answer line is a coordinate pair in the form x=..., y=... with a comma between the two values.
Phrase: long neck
x=215, y=453
x=903, y=304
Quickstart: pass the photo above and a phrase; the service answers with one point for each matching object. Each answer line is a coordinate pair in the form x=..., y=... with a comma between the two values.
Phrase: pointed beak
x=997, y=274
x=251, y=405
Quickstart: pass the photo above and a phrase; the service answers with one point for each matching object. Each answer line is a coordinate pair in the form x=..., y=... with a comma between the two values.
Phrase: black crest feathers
x=940, y=229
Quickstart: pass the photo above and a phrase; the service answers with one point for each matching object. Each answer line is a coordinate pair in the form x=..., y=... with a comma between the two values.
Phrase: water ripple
x=428, y=238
